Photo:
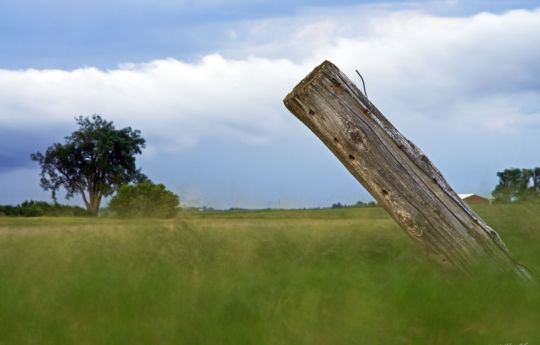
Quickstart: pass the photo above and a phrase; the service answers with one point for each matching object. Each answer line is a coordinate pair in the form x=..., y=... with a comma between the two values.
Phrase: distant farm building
x=474, y=199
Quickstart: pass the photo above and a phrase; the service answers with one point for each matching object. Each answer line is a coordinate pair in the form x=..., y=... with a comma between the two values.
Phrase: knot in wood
x=358, y=138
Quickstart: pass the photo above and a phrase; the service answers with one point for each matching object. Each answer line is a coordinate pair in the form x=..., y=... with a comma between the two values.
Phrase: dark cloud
x=17, y=145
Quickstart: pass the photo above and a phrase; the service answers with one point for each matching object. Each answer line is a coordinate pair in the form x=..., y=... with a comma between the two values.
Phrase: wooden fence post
x=396, y=172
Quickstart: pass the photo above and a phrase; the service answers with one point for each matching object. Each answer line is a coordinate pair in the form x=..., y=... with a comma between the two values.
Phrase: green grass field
x=345, y=276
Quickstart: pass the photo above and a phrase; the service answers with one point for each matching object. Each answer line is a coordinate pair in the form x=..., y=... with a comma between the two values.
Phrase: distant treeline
x=41, y=208
x=335, y=205
x=358, y=204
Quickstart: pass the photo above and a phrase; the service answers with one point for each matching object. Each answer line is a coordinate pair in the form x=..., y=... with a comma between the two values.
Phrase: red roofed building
x=474, y=199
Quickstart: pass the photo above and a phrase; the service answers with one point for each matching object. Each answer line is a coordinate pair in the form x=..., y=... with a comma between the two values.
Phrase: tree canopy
x=144, y=199
x=517, y=185
x=94, y=161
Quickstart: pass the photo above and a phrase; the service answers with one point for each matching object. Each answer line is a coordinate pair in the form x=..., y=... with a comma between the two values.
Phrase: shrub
x=9, y=210
x=33, y=208
x=144, y=199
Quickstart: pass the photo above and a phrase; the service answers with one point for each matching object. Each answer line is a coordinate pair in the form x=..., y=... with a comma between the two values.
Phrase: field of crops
x=338, y=276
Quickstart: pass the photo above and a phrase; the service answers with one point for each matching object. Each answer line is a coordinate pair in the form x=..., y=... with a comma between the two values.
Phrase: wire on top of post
x=365, y=92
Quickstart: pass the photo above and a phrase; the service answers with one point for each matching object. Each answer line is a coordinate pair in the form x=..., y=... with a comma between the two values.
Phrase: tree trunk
x=396, y=173
x=95, y=200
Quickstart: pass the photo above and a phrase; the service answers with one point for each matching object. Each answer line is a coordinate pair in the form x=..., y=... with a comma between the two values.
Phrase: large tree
x=94, y=161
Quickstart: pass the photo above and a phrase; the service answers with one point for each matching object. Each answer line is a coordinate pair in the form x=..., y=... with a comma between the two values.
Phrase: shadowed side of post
x=396, y=172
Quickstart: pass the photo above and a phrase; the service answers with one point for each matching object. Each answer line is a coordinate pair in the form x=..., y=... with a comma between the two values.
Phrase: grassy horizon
x=331, y=276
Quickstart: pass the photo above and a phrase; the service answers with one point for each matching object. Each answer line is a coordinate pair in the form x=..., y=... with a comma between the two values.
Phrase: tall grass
x=345, y=276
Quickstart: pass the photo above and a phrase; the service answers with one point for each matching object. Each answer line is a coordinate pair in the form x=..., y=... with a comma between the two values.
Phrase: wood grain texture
x=396, y=172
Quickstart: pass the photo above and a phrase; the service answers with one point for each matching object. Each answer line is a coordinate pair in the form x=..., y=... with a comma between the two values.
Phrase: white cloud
x=177, y=103
x=477, y=73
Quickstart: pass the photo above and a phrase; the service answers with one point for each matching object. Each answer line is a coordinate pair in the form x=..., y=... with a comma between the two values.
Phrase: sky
x=204, y=82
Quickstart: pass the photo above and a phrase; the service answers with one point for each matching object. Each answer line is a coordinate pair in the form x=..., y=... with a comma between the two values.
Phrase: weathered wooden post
x=396, y=173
